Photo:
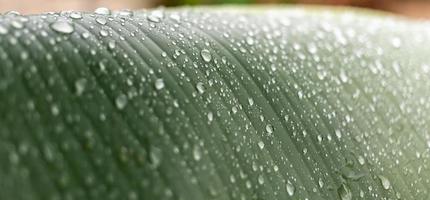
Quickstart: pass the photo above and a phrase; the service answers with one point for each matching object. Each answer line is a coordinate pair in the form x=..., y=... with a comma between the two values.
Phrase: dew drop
x=385, y=182
x=3, y=30
x=104, y=33
x=260, y=179
x=76, y=15
x=290, y=188
x=102, y=11
x=101, y=20
x=210, y=117
x=156, y=16
x=63, y=27
x=17, y=24
x=159, y=84
x=80, y=86
x=344, y=192
x=249, y=40
x=261, y=144
x=197, y=153
x=361, y=160
x=396, y=42
x=269, y=129
x=250, y=101
x=206, y=55
x=121, y=101
x=320, y=183
x=200, y=87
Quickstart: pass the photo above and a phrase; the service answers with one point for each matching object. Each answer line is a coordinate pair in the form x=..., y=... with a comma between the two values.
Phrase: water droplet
x=121, y=101
x=102, y=11
x=125, y=13
x=249, y=40
x=159, y=84
x=197, y=153
x=260, y=179
x=338, y=133
x=80, y=86
x=101, y=20
x=250, y=101
x=155, y=156
x=320, y=183
x=385, y=182
x=3, y=30
x=206, y=55
x=200, y=87
x=63, y=27
x=269, y=129
x=17, y=24
x=261, y=144
x=156, y=16
x=396, y=42
x=361, y=160
x=344, y=192
x=76, y=15
x=210, y=116
x=104, y=33
x=290, y=188
x=55, y=110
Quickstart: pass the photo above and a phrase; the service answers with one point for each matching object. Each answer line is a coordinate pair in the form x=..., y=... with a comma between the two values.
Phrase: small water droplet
x=260, y=179
x=63, y=27
x=385, y=182
x=101, y=20
x=102, y=11
x=250, y=101
x=200, y=87
x=261, y=144
x=76, y=15
x=159, y=84
x=361, y=160
x=17, y=24
x=210, y=116
x=104, y=33
x=396, y=42
x=250, y=40
x=121, y=101
x=197, y=153
x=344, y=192
x=80, y=86
x=3, y=30
x=290, y=188
x=206, y=55
x=269, y=129
x=320, y=183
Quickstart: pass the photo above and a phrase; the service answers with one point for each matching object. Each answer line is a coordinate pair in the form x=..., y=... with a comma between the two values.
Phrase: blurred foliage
x=199, y=2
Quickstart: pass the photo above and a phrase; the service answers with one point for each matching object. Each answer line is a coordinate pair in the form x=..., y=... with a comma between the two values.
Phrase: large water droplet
x=206, y=55
x=159, y=84
x=344, y=192
x=290, y=188
x=156, y=16
x=121, y=101
x=63, y=27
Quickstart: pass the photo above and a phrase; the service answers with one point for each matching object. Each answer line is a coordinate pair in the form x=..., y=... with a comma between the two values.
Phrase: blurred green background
x=413, y=8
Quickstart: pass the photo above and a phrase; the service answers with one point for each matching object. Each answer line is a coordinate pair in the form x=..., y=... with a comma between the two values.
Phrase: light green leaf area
x=187, y=104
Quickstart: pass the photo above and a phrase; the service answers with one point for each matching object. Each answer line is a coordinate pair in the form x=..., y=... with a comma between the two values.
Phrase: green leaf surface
x=214, y=103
